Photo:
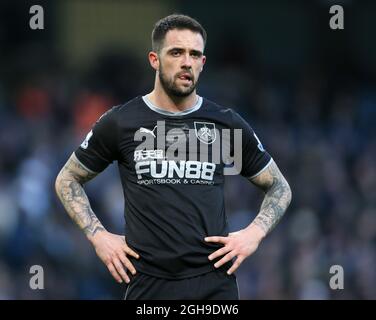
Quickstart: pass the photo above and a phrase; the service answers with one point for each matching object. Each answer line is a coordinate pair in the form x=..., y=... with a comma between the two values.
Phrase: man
x=176, y=244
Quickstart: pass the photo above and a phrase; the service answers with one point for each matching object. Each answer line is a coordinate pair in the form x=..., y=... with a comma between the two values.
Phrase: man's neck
x=161, y=99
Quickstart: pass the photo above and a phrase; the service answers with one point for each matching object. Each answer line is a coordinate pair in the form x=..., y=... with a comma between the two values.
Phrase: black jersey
x=172, y=178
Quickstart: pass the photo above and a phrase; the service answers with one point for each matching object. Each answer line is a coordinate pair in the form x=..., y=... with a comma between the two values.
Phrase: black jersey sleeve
x=254, y=157
x=99, y=149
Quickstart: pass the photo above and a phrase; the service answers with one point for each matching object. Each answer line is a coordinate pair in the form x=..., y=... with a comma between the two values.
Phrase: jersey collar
x=171, y=113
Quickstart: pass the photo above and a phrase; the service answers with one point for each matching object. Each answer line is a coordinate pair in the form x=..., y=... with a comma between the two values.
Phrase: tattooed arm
x=243, y=243
x=69, y=188
x=277, y=197
x=110, y=248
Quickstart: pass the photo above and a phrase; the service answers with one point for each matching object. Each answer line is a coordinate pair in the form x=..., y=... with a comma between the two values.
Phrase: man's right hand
x=112, y=249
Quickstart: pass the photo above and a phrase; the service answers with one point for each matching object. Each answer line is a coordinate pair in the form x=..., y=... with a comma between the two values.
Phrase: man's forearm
x=276, y=201
x=273, y=207
x=69, y=188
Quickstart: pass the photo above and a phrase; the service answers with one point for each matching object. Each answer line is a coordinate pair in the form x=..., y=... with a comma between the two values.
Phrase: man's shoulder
x=229, y=113
x=224, y=111
x=214, y=106
x=128, y=106
x=122, y=111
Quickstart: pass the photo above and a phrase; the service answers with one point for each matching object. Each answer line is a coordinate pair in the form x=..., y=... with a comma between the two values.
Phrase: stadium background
x=308, y=91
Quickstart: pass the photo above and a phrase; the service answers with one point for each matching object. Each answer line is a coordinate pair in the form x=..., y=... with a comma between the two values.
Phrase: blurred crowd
x=318, y=124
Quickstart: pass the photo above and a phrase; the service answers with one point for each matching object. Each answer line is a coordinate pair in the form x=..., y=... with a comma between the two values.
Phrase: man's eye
x=175, y=53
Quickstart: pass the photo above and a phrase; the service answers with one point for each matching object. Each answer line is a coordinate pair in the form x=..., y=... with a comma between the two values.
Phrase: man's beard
x=172, y=89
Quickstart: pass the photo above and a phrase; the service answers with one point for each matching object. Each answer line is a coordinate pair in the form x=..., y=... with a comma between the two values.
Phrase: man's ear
x=203, y=62
x=154, y=60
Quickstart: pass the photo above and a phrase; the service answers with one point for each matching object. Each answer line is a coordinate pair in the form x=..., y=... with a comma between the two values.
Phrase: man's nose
x=187, y=61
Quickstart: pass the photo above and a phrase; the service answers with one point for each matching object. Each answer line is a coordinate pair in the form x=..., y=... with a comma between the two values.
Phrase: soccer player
x=176, y=244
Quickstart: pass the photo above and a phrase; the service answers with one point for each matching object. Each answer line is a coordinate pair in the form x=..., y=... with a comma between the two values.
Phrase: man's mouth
x=186, y=77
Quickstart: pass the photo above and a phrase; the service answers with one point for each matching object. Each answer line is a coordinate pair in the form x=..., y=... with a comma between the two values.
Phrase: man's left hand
x=240, y=244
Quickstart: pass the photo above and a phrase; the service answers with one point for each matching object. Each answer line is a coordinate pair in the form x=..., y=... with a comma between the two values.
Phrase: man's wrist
x=256, y=231
x=93, y=236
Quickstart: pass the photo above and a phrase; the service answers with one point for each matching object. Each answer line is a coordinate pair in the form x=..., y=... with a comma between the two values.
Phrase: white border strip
x=262, y=170
x=126, y=291
x=237, y=286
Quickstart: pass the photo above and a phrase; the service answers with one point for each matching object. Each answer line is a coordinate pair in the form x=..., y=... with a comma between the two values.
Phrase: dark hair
x=174, y=21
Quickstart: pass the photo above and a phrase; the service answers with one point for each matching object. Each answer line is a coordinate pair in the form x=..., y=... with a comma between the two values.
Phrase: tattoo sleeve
x=277, y=197
x=69, y=188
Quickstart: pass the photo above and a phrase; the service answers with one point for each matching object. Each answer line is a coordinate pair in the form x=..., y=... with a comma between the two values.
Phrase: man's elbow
x=288, y=194
x=61, y=179
x=58, y=181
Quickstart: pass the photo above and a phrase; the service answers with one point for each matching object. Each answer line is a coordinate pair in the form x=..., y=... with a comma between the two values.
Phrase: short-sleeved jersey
x=172, y=168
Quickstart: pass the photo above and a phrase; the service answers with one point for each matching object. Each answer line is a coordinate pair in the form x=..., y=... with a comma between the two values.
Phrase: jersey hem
x=200, y=271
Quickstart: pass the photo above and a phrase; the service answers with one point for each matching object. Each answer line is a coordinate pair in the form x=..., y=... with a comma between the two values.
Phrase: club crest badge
x=205, y=132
